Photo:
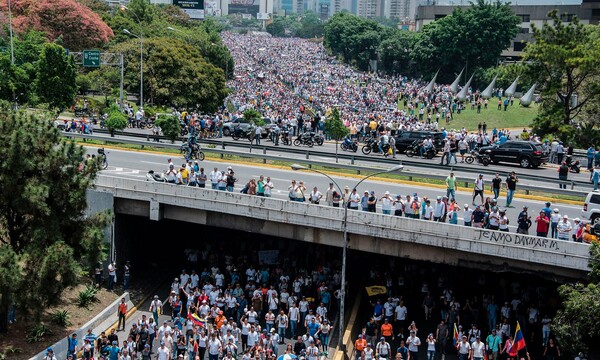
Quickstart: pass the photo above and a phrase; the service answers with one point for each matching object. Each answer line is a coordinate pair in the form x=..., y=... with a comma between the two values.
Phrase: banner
x=376, y=290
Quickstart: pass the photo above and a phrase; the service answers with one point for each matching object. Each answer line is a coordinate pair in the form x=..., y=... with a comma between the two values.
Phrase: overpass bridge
x=368, y=232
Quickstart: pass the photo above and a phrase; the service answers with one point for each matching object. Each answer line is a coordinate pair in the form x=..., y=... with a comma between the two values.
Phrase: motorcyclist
x=384, y=141
x=426, y=146
x=191, y=142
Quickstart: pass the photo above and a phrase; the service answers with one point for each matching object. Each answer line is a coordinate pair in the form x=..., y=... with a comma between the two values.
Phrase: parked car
x=245, y=125
x=591, y=207
x=525, y=153
x=405, y=139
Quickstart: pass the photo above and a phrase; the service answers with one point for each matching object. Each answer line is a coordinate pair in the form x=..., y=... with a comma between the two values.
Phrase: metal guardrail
x=262, y=154
x=353, y=158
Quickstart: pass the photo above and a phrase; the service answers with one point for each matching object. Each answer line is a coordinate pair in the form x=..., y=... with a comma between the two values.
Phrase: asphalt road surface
x=135, y=165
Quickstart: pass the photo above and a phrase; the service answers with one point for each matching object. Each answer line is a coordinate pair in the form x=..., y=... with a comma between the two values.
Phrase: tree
x=576, y=324
x=14, y=81
x=76, y=24
x=565, y=61
x=353, y=38
x=254, y=117
x=46, y=239
x=334, y=126
x=474, y=38
x=169, y=126
x=116, y=121
x=175, y=74
x=395, y=52
x=56, y=77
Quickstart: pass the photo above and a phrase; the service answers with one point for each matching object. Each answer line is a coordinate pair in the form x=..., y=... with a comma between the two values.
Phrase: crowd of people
x=484, y=211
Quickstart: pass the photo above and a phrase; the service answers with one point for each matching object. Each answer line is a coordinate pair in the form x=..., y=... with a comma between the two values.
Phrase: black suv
x=405, y=138
x=525, y=153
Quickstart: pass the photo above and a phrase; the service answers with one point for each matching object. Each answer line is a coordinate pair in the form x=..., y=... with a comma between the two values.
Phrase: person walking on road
x=478, y=187
x=122, y=311
x=451, y=186
x=511, y=187
x=563, y=173
x=595, y=176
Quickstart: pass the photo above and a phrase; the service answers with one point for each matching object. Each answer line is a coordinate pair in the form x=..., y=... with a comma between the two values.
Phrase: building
x=528, y=14
x=398, y=9
x=370, y=8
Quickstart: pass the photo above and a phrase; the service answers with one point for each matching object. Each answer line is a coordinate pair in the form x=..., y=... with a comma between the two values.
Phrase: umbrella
x=287, y=357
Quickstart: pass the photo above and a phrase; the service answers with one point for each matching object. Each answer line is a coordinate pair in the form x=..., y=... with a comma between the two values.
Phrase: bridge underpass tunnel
x=460, y=295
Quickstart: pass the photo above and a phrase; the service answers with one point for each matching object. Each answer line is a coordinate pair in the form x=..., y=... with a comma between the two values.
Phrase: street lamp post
x=345, y=239
x=123, y=7
x=10, y=29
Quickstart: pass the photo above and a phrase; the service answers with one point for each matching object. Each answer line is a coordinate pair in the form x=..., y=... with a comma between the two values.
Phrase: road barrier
x=260, y=152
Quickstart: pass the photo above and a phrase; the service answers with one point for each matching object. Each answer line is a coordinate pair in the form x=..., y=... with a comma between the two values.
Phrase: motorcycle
x=372, y=145
x=239, y=133
x=103, y=161
x=349, y=144
x=574, y=167
x=286, y=138
x=304, y=139
x=316, y=138
x=196, y=153
x=152, y=176
x=415, y=148
x=482, y=158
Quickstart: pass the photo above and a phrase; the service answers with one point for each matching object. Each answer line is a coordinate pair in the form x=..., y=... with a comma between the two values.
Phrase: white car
x=591, y=207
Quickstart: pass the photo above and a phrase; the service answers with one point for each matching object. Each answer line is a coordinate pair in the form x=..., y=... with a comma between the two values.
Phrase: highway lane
x=135, y=165
x=465, y=170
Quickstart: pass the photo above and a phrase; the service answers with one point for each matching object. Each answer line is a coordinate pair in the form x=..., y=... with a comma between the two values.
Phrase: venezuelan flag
x=455, y=339
x=518, y=342
x=197, y=320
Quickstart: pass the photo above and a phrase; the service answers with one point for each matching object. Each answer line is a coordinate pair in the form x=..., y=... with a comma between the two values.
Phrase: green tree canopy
x=170, y=126
x=46, y=239
x=175, y=74
x=56, y=74
x=576, y=324
x=474, y=37
x=565, y=61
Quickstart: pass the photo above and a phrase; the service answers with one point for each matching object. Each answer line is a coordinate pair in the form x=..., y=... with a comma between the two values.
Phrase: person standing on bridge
x=524, y=222
x=564, y=228
x=543, y=223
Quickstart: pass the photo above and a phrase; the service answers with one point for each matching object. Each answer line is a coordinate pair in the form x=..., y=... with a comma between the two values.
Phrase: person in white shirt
x=156, y=307
x=214, y=347
x=464, y=349
x=413, y=343
x=386, y=203
x=353, y=200
x=467, y=215
x=268, y=187
x=315, y=196
x=477, y=349
x=252, y=337
x=428, y=214
x=478, y=188
x=163, y=353
x=312, y=352
x=214, y=178
x=401, y=312
x=564, y=228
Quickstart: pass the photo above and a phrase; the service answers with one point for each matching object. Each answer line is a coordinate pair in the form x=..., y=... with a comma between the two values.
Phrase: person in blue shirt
x=313, y=327
x=591, y=152
x=113, y=353
x=547, y=210
x=72, y=347
x=179, y=322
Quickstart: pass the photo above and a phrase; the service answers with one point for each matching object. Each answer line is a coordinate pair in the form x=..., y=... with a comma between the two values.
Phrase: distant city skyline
x=513, y=2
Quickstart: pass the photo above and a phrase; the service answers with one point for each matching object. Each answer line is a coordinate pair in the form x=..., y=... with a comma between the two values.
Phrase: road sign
x=91, y=58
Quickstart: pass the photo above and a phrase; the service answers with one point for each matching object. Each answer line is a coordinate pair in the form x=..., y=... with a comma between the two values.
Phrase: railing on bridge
x=473, y=242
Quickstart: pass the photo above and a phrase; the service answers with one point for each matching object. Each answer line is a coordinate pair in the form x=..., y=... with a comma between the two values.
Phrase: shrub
x=169, y=125
x=87, y=296
x=61, y=317
x=116, y=121
x=38, y=332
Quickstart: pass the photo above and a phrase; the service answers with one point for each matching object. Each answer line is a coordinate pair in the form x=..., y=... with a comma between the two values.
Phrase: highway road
x=461, y=169
x=135, y=165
